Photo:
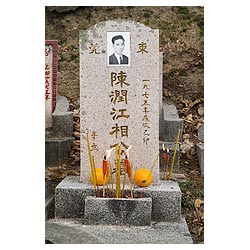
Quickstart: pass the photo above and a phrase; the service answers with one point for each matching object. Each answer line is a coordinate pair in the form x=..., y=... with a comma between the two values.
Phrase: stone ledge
x=118, y=211
x=70, y=197
x=74, y=232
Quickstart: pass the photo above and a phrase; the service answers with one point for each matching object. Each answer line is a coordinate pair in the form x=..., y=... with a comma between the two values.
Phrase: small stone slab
x=171, y=123
x=74, y=232
x=118, y=211
x=200, y=154
x=201, y=132
x=57, y=150
x=62, y=124
x=62, y=105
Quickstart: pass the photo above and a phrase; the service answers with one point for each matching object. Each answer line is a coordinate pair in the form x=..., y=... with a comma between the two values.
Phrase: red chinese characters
x=47, y=82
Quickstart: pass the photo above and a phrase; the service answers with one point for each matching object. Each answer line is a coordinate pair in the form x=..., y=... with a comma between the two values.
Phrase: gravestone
x=50, y=80
x=120, y=102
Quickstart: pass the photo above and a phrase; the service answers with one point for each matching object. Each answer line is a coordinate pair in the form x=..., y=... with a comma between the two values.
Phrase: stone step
x=59, y=231
x=70, y=197
x=57, y=150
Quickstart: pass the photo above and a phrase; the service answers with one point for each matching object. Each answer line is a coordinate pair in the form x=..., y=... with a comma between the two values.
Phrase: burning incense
x=95, y=177
x=111, y=179
x=128, y=170
x=166, y=158
x=104, y=172
x=91, y=162
x=172, y=162
x=118, y=169
x=105, y=169
x=124, y=179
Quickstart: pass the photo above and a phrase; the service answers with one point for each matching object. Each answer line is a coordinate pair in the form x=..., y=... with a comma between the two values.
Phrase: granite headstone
x=119, y=97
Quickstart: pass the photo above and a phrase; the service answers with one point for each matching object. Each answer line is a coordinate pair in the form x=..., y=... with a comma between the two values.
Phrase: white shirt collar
x=118, y=57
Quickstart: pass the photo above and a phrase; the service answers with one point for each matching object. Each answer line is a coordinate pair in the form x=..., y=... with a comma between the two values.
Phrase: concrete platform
x=59, y=231
x=70, y=197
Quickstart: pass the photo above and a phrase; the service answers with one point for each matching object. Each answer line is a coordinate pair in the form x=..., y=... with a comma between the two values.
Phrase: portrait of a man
x=117, y=55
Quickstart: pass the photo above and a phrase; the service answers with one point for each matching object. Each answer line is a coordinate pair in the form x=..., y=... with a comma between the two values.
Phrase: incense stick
x=91, y=162
x=172, y=162
x=124, y=180
x=118, y=171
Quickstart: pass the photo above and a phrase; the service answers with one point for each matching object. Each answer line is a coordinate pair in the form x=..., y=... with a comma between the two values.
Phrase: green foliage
x=182, y=11
x=191, y=191
x=62, y=58
x=74, y=58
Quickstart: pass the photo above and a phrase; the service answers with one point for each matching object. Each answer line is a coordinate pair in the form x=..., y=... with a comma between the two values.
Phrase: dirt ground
x=182, y=42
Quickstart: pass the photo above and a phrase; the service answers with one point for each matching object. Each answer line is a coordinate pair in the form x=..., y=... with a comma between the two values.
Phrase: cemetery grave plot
x=191, y=104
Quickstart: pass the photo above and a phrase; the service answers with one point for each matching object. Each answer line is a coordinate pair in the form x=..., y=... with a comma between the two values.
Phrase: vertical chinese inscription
x=145, y=109
x=94, y=146
x=50, y=80
x=119, y=95
x=47, y=81
x=48, y=85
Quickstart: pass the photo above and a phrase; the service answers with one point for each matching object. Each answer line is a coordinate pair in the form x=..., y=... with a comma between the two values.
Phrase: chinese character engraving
x=94, y=147
x=93, y=48
x=142, y=48
x=93, y=135
x=119, y=96
x=119, y=78
x=117, y=129
x=121, y=115
x=47, y=85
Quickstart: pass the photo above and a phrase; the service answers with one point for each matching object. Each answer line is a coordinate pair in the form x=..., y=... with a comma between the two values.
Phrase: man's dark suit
x=113, y=59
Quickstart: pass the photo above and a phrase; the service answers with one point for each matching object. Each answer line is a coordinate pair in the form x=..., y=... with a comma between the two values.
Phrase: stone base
x=57, y=150
x=70, y=197
x=117, y=211
x=60, y=231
